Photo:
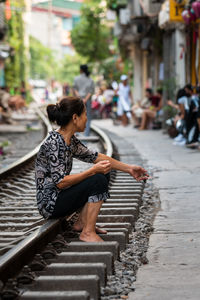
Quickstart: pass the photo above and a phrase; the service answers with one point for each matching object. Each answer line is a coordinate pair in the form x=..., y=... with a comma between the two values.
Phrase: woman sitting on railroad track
x=58, y=193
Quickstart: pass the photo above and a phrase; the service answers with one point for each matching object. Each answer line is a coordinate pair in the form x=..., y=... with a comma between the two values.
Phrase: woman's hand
x=138, y=173
x=103, y=167
x=170, y=102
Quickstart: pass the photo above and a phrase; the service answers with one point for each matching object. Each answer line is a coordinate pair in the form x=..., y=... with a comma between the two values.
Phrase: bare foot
x=79, y=227
x=90, y=237
x=99, y=230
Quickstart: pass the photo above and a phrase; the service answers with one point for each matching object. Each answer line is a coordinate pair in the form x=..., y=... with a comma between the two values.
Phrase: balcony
x=134, y=32
x=151, y=7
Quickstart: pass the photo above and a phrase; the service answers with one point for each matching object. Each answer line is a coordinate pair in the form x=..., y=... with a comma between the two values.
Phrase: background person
x=65, y=89
x=179, y=121
x=108, y=95
x=5, y=111
x=60, y=193
x=23, y=91
x=192, y=128
x=84, y=88
x=153, y=111
x=124, y=101
x=138, y=108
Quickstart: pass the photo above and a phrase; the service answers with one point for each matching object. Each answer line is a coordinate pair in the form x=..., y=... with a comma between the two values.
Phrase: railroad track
x=57, y=265
x=20, y=139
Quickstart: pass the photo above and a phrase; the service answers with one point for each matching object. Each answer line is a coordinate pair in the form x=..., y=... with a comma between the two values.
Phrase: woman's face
x=81, y=121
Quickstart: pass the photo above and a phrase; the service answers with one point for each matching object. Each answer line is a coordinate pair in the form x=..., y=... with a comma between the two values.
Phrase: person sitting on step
x=60, y=193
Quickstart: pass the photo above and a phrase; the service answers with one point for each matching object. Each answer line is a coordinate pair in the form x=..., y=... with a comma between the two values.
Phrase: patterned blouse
x=53, y=163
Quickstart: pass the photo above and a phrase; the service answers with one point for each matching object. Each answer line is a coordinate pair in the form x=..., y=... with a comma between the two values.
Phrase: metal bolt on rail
x=38, y=264
x=49, y=252
x=59, y=243
x=10, y=291
x=26, y=276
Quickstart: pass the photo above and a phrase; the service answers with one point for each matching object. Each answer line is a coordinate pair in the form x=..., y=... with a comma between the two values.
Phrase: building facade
x=138, y=32
x=52, y=22
x=163, y=38
x=181, y=25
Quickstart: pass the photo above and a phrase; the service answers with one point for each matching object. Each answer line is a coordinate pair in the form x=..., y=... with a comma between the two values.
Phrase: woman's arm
x=172, y=104
x=182, y=110
x=137, y=172
x=75, y=93
x=131, y=97
x=103, y=167
x=159, y=106
x=87, y=97
x=103, y=164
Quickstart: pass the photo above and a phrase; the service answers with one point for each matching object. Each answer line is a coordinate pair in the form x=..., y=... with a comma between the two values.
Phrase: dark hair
x=148, y=90
x=189, y=87
x=84, y=69
x=159, y=91
x=63, y=111
x=181, y=93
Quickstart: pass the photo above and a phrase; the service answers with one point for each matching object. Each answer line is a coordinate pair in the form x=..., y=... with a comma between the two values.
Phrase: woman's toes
x=100, y=230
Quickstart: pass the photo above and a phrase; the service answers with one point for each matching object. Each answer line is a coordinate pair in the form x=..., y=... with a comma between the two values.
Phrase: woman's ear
x=74, y=118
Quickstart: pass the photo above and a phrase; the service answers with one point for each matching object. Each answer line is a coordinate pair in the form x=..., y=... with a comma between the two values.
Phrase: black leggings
x=92, y=189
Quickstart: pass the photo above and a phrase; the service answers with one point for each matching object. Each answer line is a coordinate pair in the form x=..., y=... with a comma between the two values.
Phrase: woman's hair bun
x=63, y=111
x=53, y=112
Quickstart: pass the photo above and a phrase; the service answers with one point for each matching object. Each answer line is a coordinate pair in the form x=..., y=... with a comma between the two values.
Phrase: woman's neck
x=67, y=132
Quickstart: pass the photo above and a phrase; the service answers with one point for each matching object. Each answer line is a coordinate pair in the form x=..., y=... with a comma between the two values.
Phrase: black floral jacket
x=54, y=161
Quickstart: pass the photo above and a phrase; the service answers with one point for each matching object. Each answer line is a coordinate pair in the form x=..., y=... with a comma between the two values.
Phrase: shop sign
x=176, y=9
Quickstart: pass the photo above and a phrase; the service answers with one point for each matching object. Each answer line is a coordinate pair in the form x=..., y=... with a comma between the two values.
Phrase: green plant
x=4, y=148
x=169, y=87
x=29, y=98
x=69, y=67
x=43, y=64
x=116, y=4
x=15, y=66
x=91, y=36
x=110, y=70
x=169, y=111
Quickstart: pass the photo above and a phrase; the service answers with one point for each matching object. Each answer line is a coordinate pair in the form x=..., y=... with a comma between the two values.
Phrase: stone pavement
x=173, y=272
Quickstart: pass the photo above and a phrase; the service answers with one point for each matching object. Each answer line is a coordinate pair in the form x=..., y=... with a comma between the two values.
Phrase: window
x=76, y=19
x=67, y=24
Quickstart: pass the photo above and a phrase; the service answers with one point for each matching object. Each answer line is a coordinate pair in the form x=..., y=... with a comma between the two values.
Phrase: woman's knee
x=101, y=181
x=102, y=178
